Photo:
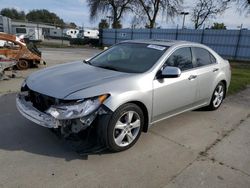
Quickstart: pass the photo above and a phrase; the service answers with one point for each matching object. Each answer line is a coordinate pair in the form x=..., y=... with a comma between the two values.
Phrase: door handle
x=215, y=69
x=192, y=77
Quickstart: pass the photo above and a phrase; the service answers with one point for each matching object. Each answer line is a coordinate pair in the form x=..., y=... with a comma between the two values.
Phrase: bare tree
x=116, y=8
x=152, y=8
x=206, y=9
x=243, y=5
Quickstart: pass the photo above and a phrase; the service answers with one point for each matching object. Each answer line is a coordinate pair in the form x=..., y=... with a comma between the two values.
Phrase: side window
x=212, y=58
x=181, y=58
x=202, y=57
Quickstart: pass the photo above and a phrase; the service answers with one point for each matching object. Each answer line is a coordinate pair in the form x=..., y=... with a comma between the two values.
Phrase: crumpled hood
x=63, y=80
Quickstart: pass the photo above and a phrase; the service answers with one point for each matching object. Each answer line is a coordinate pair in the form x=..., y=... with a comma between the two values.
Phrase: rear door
x=174, y=95
x=207, y=69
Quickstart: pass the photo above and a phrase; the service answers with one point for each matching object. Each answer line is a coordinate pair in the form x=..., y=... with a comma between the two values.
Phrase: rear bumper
x=34, y=115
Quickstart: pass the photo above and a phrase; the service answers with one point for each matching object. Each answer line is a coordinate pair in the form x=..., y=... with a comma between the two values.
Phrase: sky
x=77, y=11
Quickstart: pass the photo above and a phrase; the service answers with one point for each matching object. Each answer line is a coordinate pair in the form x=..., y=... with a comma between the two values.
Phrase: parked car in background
x=12, y=47
x=125, y=89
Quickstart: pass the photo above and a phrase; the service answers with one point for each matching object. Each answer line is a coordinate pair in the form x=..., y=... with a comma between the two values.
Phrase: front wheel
x=125, y=127
x=22, y=64
x=218, y=96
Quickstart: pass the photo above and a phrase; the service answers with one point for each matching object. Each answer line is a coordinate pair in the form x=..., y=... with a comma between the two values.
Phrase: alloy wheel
x=127, y=128
x=218, y=96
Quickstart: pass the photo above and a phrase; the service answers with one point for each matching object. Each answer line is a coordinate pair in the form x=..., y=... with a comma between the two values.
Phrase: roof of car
x=163, y=42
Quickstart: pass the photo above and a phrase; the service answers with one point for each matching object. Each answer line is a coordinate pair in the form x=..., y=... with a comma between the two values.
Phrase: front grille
x=40, y=101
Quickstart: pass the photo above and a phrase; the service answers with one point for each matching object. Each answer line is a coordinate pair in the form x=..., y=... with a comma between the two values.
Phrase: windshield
x=129, y=57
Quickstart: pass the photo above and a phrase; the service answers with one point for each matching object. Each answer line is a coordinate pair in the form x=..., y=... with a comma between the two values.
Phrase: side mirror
x=169, y=72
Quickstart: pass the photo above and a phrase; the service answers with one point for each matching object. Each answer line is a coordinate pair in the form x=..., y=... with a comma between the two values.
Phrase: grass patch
x=240, y=76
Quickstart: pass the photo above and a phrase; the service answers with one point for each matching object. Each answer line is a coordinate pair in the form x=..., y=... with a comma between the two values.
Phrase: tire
x=22, y=64
x=124, y=128
x=218, y=95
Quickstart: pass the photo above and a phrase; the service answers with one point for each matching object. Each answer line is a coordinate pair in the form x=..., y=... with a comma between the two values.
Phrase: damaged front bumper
x=27, y=110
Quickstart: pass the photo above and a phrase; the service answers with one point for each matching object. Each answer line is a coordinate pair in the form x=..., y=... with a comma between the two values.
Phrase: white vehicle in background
x=31, y=33
x=72, y=33
x=89, y=33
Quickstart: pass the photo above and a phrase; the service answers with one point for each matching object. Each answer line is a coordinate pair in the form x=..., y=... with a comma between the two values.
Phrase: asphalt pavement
x=195, y=149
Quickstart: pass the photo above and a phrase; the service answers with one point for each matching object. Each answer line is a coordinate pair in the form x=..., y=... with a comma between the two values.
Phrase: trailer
x=55, y=33
x=5, y=24
x=34, y=34
x=71, y=33
x=89, y=33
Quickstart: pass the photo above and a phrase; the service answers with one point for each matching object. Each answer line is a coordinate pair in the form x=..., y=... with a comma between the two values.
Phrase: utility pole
x=184, y=16
x=109, y=18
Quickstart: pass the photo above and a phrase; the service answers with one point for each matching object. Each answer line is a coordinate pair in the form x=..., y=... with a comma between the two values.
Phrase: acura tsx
x=125, y=89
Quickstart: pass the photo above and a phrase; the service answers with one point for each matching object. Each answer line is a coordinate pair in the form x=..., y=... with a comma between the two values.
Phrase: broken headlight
x=78, y=109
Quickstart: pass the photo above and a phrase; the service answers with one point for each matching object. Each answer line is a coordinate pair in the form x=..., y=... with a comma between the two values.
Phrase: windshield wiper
x=108, y=67
x=87, y=62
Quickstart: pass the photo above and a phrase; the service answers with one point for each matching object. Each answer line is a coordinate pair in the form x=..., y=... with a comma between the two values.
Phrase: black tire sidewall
x=21, y=67
x=116, y=115
x=211, y=106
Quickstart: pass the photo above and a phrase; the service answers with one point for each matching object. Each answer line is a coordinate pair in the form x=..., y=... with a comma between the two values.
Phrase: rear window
x=202, y=57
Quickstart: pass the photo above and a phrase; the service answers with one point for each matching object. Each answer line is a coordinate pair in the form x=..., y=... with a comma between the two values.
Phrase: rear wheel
x=218, y=96
x=125, y=127
x=22, y=64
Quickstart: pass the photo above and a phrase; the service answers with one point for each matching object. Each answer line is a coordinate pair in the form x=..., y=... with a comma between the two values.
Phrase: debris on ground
x=6, y=64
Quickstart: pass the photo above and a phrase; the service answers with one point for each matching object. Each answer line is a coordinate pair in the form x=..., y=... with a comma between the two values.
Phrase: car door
x=207, y=70
x=174, y=95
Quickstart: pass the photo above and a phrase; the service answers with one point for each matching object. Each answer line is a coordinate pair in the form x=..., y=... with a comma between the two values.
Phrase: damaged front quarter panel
x=24, y=105
x=86, y=121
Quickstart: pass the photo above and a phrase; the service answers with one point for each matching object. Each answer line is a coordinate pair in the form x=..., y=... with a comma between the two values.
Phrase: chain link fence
x=231, y=44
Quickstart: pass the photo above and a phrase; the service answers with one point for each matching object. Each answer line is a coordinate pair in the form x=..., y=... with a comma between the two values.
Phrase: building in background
x=5, y=24
x=32, y=31
x=40, y=31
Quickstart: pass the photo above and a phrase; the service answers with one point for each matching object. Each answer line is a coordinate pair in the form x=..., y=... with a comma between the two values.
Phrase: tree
x=13, y=13
x=243, y=5
x=137, y=22
x=219, y=26
x=116, y=8
x=206, y=9
x=72, y=25
x=44, y=16
x=103, y=24
x=152, y=8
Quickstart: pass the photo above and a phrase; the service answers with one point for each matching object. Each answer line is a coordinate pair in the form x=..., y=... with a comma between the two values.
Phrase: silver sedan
x=125, y=89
